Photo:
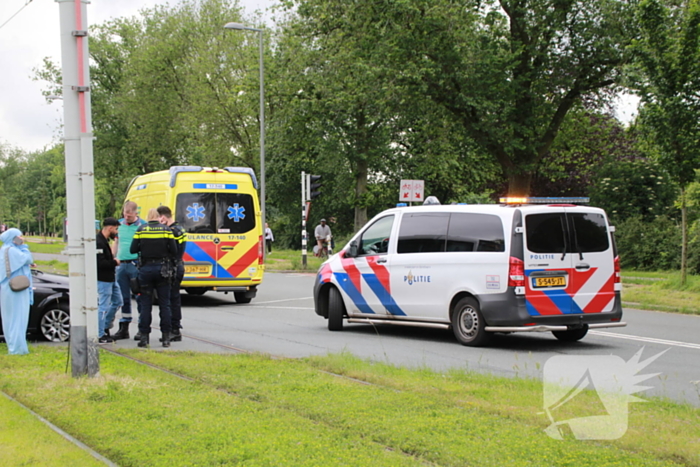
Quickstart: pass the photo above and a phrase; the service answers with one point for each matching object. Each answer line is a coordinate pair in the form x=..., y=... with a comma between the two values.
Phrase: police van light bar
x=545, y=200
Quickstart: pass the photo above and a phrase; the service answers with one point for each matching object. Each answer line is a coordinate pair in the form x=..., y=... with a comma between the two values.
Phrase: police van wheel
x=468, y=323
x=336, y=310
x=572, y=335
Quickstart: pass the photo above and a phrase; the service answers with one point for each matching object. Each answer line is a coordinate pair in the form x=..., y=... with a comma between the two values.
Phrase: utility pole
x=80, y=188
x=303, y=219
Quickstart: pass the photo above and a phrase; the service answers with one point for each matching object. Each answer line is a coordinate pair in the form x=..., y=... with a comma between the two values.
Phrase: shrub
x=649, y=244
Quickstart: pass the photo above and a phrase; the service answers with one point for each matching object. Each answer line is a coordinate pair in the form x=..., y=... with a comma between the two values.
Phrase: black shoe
x=176, y=336
x=123, y=332
x=105, y=340
x=137, y=337
x=165, y=339
x=143, y=341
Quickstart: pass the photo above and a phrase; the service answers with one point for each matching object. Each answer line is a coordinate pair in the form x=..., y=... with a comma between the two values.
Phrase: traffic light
x=314, y=186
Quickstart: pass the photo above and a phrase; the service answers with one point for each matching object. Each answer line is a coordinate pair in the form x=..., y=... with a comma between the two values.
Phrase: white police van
x=529, y=264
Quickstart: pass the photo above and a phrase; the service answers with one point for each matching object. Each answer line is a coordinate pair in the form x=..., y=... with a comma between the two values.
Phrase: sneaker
x=105, y=340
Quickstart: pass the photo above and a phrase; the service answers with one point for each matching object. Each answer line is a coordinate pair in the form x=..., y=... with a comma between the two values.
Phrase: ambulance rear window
x=215, y=213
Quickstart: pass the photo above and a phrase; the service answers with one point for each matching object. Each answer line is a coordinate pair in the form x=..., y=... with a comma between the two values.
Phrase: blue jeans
x=125, y=272
x=151, y=279
x=109, y=298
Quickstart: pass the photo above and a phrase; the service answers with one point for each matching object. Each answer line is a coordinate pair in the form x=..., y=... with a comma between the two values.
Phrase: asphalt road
x=281, y=321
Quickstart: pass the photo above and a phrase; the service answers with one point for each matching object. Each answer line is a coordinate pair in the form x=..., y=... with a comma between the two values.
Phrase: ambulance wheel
x=468, y=323
x=336, y=310
x=195, y=290
x=572, y=335
x=242, y=297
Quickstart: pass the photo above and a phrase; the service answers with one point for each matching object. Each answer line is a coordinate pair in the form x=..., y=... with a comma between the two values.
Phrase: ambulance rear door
x=222, y=242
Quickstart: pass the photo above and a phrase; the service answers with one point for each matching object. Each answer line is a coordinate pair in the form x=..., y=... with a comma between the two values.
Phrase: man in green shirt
x=128, y=263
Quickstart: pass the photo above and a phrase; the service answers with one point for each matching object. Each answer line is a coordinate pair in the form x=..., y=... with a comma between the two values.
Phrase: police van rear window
x=215, y=213
x=450, y=232
x=573, y=233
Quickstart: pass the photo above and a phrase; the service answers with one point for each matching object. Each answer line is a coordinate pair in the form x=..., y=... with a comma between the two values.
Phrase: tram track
x=276, y=357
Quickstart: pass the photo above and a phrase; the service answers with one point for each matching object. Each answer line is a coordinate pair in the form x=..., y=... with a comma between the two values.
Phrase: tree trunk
x=360, y=192
x=519, y=183
x=684, y=236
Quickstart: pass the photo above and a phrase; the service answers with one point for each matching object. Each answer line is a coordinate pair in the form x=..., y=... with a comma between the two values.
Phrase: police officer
x=166, y=218
x=155, y=244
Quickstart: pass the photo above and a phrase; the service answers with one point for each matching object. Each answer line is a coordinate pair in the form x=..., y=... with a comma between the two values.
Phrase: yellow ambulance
x=220, y=211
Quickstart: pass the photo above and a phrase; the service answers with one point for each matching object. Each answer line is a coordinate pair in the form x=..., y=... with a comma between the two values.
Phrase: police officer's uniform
x=156, y=245
x=179, y=273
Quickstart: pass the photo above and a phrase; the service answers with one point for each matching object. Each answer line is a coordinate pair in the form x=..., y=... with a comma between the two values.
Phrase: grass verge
x=24, y=440
x=291, y=260
x=254, y=410
x=661, y=290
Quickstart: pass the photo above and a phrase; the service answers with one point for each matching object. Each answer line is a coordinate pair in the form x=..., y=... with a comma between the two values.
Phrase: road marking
x=284, y=300
x=652, y=340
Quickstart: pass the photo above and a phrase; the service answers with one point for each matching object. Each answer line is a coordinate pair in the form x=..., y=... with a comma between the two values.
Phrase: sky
x=27, y=120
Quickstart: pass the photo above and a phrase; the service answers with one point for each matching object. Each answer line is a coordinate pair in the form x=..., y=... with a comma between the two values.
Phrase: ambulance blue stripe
x=343, y=280
x=384, y=296
x=198, y=254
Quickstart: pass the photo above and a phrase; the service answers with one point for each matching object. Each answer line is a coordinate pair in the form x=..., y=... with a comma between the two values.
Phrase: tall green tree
x=508, y=71
x=170, y=87
x=668, y=62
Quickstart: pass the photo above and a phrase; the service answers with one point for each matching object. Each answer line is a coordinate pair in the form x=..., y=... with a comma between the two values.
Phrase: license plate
x=558, y=281
x=196, y=269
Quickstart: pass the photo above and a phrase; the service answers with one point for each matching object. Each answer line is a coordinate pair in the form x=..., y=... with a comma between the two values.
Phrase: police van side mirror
x=352, y=250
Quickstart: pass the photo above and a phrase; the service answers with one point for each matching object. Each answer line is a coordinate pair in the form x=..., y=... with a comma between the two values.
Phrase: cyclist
x=322, y=234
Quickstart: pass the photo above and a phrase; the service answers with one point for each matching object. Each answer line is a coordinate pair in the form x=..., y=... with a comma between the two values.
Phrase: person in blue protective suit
x=14, y=306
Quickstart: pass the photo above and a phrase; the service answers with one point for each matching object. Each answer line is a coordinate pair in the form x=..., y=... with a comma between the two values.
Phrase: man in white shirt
x=269, y=238
x=321, y=233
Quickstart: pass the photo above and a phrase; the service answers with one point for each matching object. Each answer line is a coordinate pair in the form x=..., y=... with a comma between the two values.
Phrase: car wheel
x=571, y=335
x=195, y=290
x=468, y=323
x=336, y=310
x=55, y=322
x=241, y=297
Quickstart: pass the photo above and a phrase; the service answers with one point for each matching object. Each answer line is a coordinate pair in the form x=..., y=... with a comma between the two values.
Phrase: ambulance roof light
x=544, y=200
x=244, y=170
x=176, y=169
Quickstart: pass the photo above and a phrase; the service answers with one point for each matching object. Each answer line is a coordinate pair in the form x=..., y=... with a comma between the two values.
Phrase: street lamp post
x=240, y=26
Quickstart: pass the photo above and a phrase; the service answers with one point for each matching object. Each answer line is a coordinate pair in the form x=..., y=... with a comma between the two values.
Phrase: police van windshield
x=222, y=213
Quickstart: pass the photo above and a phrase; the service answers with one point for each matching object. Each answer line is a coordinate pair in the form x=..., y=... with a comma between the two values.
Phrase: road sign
x=411, y=190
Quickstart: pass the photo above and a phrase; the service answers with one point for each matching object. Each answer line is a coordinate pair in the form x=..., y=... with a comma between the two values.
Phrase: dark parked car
x=49, y=317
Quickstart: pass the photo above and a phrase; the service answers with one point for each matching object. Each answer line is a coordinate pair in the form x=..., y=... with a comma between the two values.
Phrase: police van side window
x=546, y=233
x=375, y=240
x=475, y=232
x=590, y=232
x=423, y=232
